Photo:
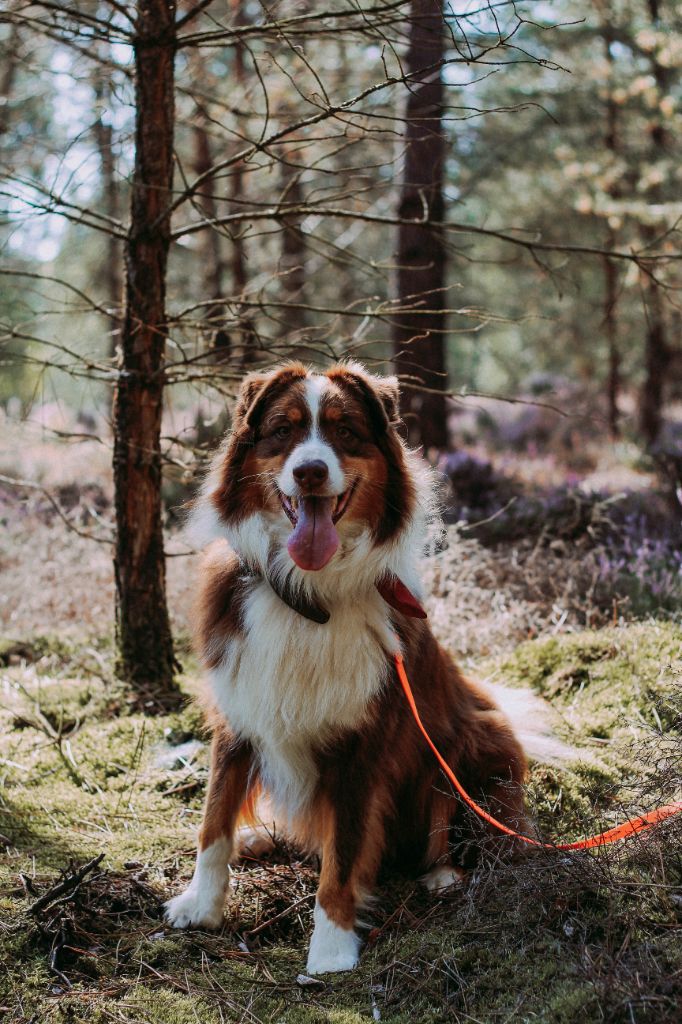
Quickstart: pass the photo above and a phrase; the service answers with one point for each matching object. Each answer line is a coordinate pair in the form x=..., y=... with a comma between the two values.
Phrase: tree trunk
x=610, y=270
x=656, y=360
x=419, y=327
x=247, y=348
x=247, y=338
x=112, y=271
x=145, y=645
x=292, y=259
x=8, y=75
x=611, y=327
x=657, y=354
x=211, y=254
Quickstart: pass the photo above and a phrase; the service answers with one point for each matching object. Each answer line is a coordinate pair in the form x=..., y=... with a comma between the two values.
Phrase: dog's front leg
x=351, y=852
x=201, y=904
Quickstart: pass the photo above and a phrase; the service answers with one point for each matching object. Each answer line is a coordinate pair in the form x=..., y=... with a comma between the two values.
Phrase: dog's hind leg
x=254, y=841
x=495, y=781
x=442, y=873
x=259, y=829
x=201, y=904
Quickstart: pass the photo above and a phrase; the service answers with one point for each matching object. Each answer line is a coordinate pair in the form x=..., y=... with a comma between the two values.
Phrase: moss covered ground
x=590, y=937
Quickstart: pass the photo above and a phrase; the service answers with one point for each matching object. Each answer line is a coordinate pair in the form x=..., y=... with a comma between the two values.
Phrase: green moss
x=551, y=940
x=606, y=680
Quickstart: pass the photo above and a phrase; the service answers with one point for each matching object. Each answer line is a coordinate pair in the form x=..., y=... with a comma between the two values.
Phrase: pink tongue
x=314, y=539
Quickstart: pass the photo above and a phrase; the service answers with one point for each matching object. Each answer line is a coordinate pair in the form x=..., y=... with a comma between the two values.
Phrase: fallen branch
x=67, y=885
x=283, y=913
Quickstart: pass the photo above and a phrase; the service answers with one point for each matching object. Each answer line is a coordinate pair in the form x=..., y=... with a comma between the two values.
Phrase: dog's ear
x=388, y=390
x=380, y=394
x=259, y=388
x=250, y=387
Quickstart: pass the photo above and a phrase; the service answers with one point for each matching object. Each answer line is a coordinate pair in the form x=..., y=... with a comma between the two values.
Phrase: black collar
x=391, y=588
x=296, y=599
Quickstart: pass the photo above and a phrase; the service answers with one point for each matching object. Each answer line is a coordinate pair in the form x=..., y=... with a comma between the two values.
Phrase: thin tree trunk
x=610, y=269
x=419, y=337
x=292, y=259
x=656, y=361
x=611, y=328
x=8, y=76
x=657, y=353
x=247, y=341
x=211, y=256
x=112, y=271
x=145, y=644
x=245, y=349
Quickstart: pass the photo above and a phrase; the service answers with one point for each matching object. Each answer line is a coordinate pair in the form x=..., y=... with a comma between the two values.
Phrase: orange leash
x=612, y=835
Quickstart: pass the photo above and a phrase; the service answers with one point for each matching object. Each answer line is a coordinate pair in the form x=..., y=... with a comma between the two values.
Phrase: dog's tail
x=534, y=723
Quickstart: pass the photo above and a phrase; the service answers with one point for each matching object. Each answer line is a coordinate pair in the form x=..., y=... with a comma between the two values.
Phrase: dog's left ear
x=389, y=392
x=380, y=394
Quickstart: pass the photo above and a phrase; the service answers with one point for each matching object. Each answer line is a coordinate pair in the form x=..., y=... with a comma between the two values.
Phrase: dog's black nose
x=310, y=475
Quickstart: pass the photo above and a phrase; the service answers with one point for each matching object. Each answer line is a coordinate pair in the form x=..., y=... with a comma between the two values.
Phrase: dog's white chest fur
x=288, y=684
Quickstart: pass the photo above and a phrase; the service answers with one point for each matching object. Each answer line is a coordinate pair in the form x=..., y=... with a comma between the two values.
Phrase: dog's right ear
x=249, y=390
x=259, y=388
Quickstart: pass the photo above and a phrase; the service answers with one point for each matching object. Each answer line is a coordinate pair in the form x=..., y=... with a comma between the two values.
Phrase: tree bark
x=145, y=645
x=419, y=327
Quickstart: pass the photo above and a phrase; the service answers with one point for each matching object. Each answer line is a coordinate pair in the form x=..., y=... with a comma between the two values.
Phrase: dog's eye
x=343, y=433
x=283, y=431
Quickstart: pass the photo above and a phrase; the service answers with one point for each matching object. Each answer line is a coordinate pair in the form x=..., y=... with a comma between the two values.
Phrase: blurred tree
x=610, y=267
x=657, y=353
x=292, y=260
x=112, y=267
x=247, y=342
x=212, y=267
x=27, y=136
x=592, y=157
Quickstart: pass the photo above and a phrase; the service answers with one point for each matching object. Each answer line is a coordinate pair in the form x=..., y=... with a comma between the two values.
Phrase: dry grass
x=593, y=938
x=57, y=572
x=481, y=601
x=590, y=938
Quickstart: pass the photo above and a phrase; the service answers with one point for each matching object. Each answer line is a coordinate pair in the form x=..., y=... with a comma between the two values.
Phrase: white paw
x=201, y=904
x=331, y=948
x=442, y=877
x=194, y=909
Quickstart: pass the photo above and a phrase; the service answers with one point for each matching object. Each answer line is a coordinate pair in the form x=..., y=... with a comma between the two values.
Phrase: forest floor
x=590, y=937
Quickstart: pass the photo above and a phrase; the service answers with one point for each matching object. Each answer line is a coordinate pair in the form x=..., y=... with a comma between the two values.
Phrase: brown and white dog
x=321, y=513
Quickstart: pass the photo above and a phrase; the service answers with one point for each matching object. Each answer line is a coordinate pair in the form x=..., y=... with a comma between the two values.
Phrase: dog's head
x=313, y=470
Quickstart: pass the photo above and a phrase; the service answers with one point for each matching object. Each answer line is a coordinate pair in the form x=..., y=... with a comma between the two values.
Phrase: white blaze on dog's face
x=315, y=458
x=313, y=487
